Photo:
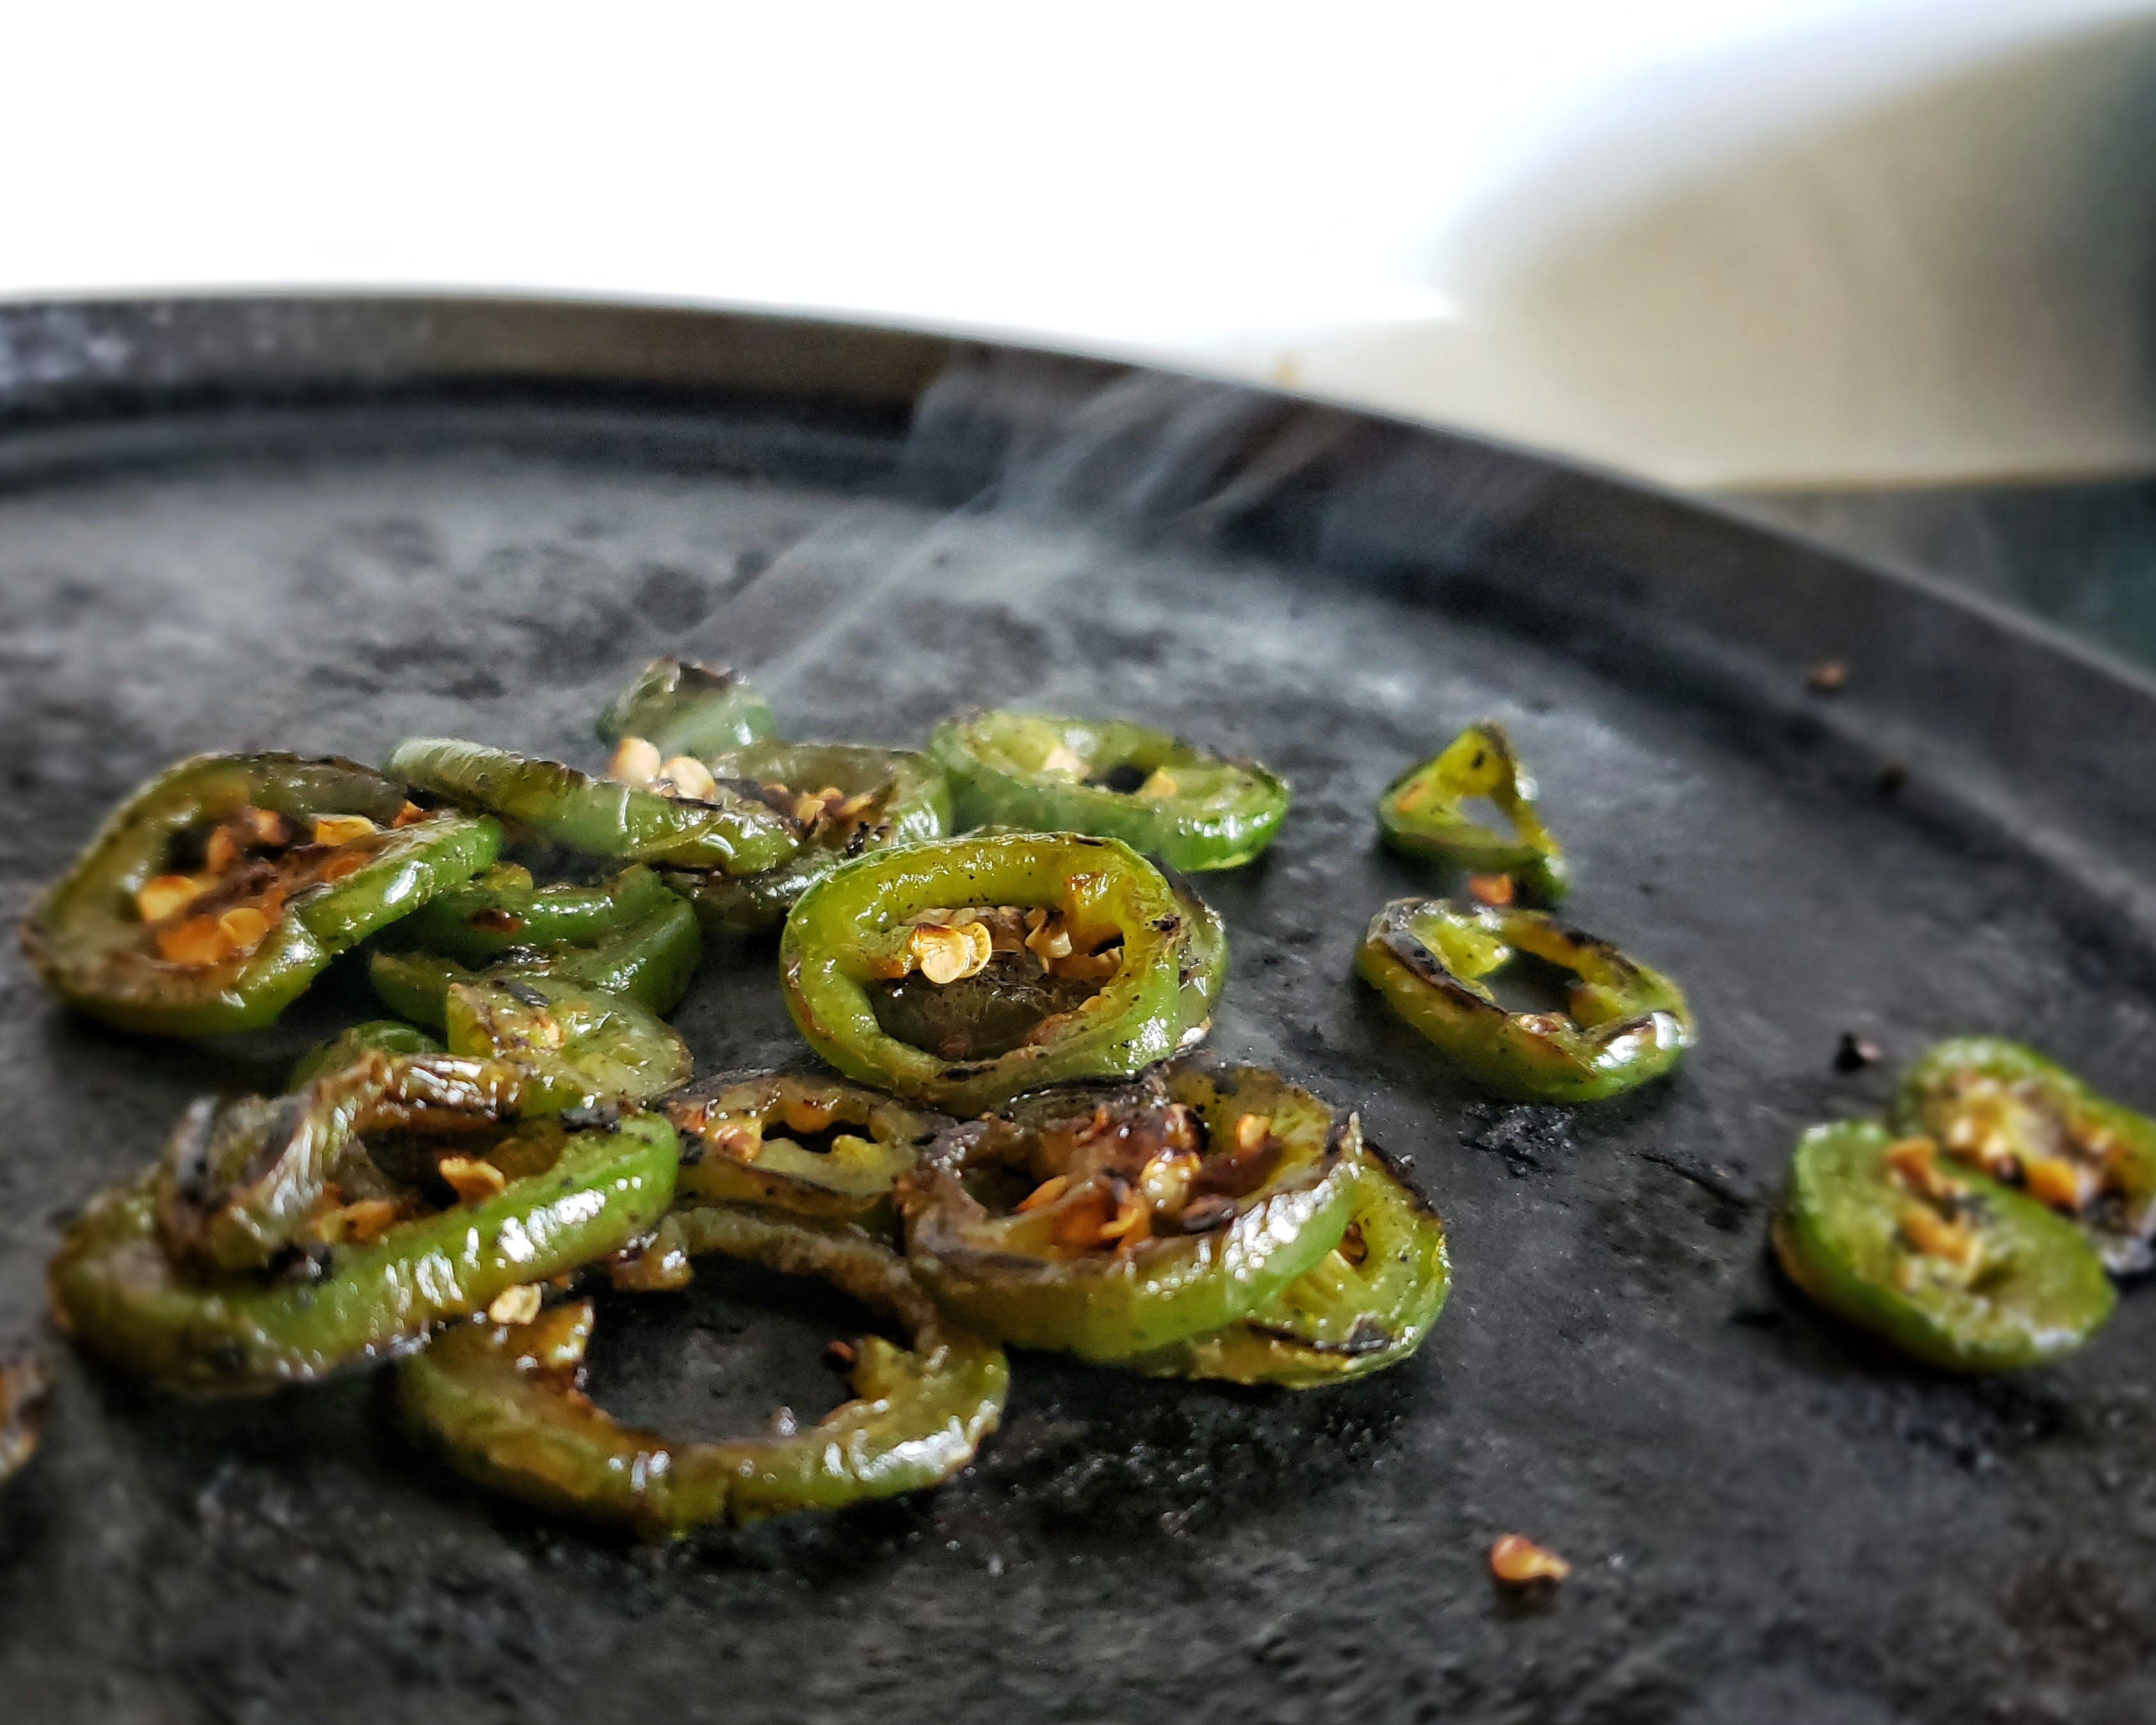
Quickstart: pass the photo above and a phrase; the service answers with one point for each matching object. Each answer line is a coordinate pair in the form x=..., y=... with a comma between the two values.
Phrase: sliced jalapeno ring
x=382, y=1036
x=1623, y=1022
x=1114, y=1222
x=25, y=1400
x=577, y=1047
x=845, y=800
x=1168, y=799
x=1366, y=1304
x=1027, y=958
x=1424, y=813
x=2023, y=1120
x=724, y=830
x=1944, y=1262
x=367, y=1295
x=211, y=898
x=502, y=1402
x=503, y=911
x=683, y=708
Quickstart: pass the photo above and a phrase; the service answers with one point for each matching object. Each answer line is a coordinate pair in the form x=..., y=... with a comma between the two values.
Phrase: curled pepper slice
x=1424, y=813
x=1946, y=1263
x=114, y=1285
x=814, y=1147
x=1366, y=1304
x=723, y=830
x=1193, y=809
x=213, y=896
x=1130, y=1220
x=844, y=800
x=502, y=912
x=383, y=1036
x=683, y=708
x=574, y=1046
x=1069, y=954
x=502, y=1402
x=2020, y=1118
x=25, y=1398
x=1623, y=1022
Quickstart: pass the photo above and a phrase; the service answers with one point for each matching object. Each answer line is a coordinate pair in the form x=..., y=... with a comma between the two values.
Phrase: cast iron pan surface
x=325, y=524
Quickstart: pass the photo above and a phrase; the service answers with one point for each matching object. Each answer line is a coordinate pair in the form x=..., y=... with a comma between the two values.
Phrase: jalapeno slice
x=650, y=959
x=1111, y=1223
x=1067, y=954
x=503, y=1405
x=1160, y=795
x=1423, y=813
x=213, y=896
x=1623, y=1022
x=503, y=912
x=723, y=830
x=383, y=1036
x=684, y=708
x=2025, y=1120
x=366, y=1294
x=25, y=1398
x=1366, y=1304
x=814, y=1146
x=844, y=800
x=576, y=1046
x=1944, y=1262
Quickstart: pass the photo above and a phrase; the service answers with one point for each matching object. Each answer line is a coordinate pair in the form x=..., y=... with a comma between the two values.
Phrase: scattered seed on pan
x=1854, y=1053
x=1829, y=676
x=1518, y=1561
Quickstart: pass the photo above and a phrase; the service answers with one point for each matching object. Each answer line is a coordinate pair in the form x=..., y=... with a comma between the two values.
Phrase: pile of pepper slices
x=1022, y=1145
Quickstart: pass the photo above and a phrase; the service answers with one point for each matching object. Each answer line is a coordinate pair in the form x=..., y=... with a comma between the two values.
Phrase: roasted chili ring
x=731, y=832
x=650, y=959
x=1423, y=813
x=683, y=708
x=1366, y=1304
x=503, y=911
x=845, y=800
x=872, y=925
x=809, y=1145
x=1135, y=1219
x=502, y=1403
x=1944, y=1262
x=1623, y=1022
x=2023, y=1119
x=26, y=1386
x=1160, y=795
x=382, y=1036
x=212, y=896
x=116, y=1288
x=576, y=1046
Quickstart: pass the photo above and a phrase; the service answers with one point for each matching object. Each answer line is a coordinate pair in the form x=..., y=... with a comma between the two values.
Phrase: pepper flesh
x=1366, y=1304
x=1168, y=799
x=503, y=912
x=113, y=1286
x=732, y=834
x=854, y=928
x=1953, y=1268
x=684, y=708
x=1623, y=1023
x=88, y=936
x=576, y=1047
x=383, y=1036
x=502, y=1403
x=1423, y=813
x=1164, y=1211
x=2021, y=1118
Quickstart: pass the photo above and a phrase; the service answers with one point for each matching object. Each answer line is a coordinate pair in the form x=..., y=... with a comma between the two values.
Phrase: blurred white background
x=1786, y=242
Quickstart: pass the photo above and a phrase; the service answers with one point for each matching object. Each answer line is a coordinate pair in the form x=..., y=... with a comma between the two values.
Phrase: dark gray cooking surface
x=1769, y=1519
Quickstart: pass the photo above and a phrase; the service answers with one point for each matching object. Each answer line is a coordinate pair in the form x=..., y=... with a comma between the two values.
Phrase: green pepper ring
x=995, y=759
x=113, y=1286
x=1143, y=1013
x=488, y=1403
x=1419, y=813
x=1626, y=1023
x=683, y=708
x=83, y=937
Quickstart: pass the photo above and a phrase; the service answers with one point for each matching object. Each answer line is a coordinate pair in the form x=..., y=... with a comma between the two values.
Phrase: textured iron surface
x=1769, y=1519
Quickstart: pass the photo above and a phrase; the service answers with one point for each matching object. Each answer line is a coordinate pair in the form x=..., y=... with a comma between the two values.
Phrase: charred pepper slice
x=683, y=708
x=576, y=1046
x=383, y=1036
x=503, y=912
x=502, y=1402
x=1366, y=1304
x=2029, y=1122
x=1069, y=952
x=1113, y=1223
x=844, y=800
x=723, y=829
x=25, y=1398
x=1623, y=1022
x=215, y=894
x=1424, y=813
x=1168, y=799
x=816, y=1146
x=1944, y=1262
x=116, y=1288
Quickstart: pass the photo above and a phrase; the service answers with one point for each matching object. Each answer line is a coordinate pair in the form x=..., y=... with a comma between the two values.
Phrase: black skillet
x=322, y=524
